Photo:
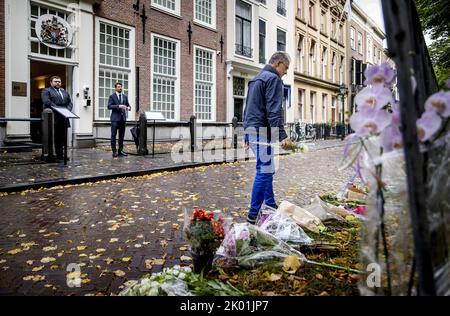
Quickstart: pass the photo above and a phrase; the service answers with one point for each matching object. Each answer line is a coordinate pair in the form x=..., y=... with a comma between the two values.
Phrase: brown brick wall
x=174, y=27
x=2, y=58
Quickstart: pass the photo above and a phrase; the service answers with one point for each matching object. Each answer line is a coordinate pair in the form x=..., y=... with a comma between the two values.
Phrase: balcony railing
x=244, y=51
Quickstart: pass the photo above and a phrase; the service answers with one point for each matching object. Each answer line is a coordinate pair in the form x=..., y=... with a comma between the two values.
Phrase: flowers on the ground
x=178, y=281
x=377, y=75
x=204, y=232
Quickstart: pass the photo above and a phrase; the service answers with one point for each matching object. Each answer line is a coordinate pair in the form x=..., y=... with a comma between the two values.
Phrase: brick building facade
x=173, y=26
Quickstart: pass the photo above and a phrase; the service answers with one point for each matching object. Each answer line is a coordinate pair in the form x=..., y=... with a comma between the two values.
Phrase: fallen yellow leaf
x=36, y=269
x=15, y=251
x=119, y=273
x=291, y=264
x=185, y=258
x=126, y=259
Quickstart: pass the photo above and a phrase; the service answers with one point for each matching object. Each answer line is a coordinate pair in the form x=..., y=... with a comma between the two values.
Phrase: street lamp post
x=342, y=93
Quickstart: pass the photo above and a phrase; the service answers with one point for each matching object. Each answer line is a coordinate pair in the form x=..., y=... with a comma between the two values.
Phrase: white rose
x=182, y=276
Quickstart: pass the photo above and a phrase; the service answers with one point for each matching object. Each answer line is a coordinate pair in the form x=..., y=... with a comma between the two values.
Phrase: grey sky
x=373, y=9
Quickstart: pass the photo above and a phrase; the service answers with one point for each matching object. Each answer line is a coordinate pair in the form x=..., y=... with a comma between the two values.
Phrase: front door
x=239, y=109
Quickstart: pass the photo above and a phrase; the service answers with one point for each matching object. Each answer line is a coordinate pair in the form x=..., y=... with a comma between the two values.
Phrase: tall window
x=262, y=41
x=165, y=76
x=301, y=103
x=323, y=22
x=312, y=107
x=204, y=84
x=333, y=67
x=300, y=9
x=324, y=62
x=341, y=70
x=333, y=30
x=312, y=59
x=205, y=12
x=281, y=40
x=312, y=19
x=172, y=6
x=369, y=54
x=243, y=29
x=36, y=46
x=324, y=107
x=281, y=7
x=114, y=63
x=352, y=38
x=360, y=43
x=301, y=53
x=341, y=33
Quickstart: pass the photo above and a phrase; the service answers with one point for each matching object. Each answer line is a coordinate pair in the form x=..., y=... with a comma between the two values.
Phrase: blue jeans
x=265, y=169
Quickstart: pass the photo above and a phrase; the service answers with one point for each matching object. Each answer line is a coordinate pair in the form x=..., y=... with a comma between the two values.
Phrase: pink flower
x=375, y=97
x=379, y=75
x=428, y=125
x=370, y=121
x=396, y=116
x=440, y=103
x=391, y=139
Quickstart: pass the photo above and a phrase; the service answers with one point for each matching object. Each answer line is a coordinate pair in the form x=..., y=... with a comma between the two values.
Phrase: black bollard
x=142, y=151
x=47, y=136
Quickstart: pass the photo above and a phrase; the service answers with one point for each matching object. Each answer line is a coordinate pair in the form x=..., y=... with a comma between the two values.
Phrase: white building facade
x=29, y=63
x=256, y=30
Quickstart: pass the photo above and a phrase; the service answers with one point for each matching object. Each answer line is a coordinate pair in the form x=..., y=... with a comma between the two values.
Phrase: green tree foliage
x=435, y=18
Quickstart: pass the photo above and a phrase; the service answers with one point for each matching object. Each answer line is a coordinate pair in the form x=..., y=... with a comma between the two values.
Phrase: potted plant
x=205, y=233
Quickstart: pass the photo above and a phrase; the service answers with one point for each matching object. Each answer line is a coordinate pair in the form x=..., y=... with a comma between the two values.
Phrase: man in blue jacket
x=118, y=104
x=263, y=124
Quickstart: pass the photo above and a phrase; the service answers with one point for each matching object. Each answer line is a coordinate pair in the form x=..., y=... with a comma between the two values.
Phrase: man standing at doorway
x=118, y=104
x=263, y=124
x=56, y=96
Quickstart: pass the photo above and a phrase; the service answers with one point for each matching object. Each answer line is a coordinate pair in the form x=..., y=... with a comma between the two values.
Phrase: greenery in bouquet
x=298, y=148
x=204, y=232
x=179, y=281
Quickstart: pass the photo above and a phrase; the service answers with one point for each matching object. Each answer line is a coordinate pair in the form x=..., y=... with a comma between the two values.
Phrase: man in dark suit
x=56, y=96
x=118, y=104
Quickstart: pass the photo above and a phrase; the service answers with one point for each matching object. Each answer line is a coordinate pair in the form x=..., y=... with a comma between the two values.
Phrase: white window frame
x=300, y=54
x=360, y=43
x=131, y=70
x=324, y=62
x=324, y=107
x=73, y=46
x=177, y=107
x=177, y=10
x=252, y=26
x=214, y=84
x=352, y=38
x=213, y=15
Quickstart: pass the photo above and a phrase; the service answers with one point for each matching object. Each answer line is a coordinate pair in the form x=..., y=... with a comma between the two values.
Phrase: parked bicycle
x=303, y=132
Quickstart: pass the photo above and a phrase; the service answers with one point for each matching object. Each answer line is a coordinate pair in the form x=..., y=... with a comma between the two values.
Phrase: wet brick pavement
x=113, y=227
x=22, y=169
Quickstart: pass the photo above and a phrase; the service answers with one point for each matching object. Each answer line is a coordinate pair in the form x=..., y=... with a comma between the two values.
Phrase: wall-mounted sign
x=53, y=31
x=19, y=89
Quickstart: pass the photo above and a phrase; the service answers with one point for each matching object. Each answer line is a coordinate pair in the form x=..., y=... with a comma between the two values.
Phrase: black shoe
x=115, y=155
x=251, y=219
x=61, y=159
x=123, y=154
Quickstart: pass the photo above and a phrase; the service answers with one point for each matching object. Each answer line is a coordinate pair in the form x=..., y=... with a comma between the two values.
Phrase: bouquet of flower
x=204, y=231
x=179, y=281
x=248, y=246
